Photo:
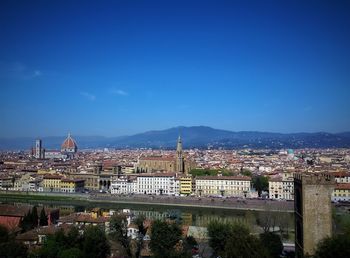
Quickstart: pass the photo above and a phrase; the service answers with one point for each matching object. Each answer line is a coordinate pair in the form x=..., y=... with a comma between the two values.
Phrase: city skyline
x=116, y=68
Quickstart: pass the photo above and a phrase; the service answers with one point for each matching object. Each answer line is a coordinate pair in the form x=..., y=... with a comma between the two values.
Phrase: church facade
x=177, y=163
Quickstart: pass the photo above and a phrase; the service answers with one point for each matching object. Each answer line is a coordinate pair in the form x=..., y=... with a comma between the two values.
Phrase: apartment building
x=223, y=186
x=155, y=183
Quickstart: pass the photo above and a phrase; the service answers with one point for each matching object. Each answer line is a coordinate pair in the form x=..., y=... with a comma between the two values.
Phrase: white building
x=276, y=188
x=288, y=186
x=121, y=185
x=177, y=186
x=282, y=188
x=155, y=183
x=341, y=177
x=54, y=154
x=223, y=186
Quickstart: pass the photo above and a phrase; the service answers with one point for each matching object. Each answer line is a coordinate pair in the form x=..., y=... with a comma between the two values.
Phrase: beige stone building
x=97, y=178
x=178, y=163
x=282, y=188
x=223, y=186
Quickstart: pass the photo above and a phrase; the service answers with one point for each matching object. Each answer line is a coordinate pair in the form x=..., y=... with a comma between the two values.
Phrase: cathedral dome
x=69, y=145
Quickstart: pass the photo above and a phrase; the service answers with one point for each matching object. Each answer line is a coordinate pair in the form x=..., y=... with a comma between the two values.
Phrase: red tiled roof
x=82, y=217
x=52, y=177
x=69, y=143
x=276, y=179
x=243, y=178
x=71, y=180
x=340, y=174
x=344, y=186
x=167, y=174
x=13, y=211
x=160, y=158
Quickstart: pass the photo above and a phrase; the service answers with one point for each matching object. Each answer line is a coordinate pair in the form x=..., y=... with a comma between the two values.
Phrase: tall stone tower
x=180, y=166
x=313, y=211
x=38, y=149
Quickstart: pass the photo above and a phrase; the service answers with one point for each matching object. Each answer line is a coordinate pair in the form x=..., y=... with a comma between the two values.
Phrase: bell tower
x=179, y=156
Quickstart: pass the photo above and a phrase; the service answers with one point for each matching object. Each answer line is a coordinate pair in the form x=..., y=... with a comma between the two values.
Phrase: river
x=191, y=216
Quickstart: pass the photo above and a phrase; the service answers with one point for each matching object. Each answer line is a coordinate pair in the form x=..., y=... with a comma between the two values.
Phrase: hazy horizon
x=162, y=129
x=117, y=68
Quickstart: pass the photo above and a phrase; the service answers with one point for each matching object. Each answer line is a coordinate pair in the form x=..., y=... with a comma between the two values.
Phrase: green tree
x=119, y=229
x=139, y=222
x=95, y=243
x=260, y=183
x=164, y=238
x=34, y=217
x=43, y=220
x=73, y=238
x=246, y=172
x=204, y=172
x=8, y=247
x=244, y=246
x=50, y=248
x=26, y=222
x=12, y=249
x=57, y=245
x=336, y=246
x=13, y=180
x=4, y=234
x=218, y=235
x=234, y=240
x=71, y=253
x=273, y=243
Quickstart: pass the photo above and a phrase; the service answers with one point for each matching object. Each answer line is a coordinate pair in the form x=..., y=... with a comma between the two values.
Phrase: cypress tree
x=34, y=217
x=26, y=221
x=43, y=221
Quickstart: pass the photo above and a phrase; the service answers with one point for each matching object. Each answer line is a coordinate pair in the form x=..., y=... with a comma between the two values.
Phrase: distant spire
x=179, y=144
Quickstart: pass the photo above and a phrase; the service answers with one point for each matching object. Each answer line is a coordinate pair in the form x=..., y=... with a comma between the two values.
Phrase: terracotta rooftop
x=242, y=178
x=342, y=186
x=52, y=177
x=82, y=217
x=167, y=174
x=160, y=158
x=14, y=211
x=69, y=143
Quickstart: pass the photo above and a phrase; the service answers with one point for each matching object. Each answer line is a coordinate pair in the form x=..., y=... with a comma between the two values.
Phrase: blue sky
x=122, y=67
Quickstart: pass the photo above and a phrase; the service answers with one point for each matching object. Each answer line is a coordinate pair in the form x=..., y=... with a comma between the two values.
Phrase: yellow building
x=52, y=183
x=341, y=192
x=44, y=172
x=186, y=185
x=91, y=180
x=72, y=185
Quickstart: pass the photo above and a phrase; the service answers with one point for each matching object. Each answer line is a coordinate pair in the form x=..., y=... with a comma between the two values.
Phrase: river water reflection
x=191, y=216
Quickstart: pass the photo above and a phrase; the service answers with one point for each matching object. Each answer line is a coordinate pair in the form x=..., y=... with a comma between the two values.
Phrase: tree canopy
x=119, y=229
x=234, y=240
x=335, y=246
x=93, y=243
x=8, y=247
x=273, y=244
x=43, y=219
x=209, y=172
x=260, y=183
x=164, y=238
x=30, y=220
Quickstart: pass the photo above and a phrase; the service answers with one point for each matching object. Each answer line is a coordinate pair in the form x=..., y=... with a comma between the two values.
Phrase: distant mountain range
x=193, y=137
